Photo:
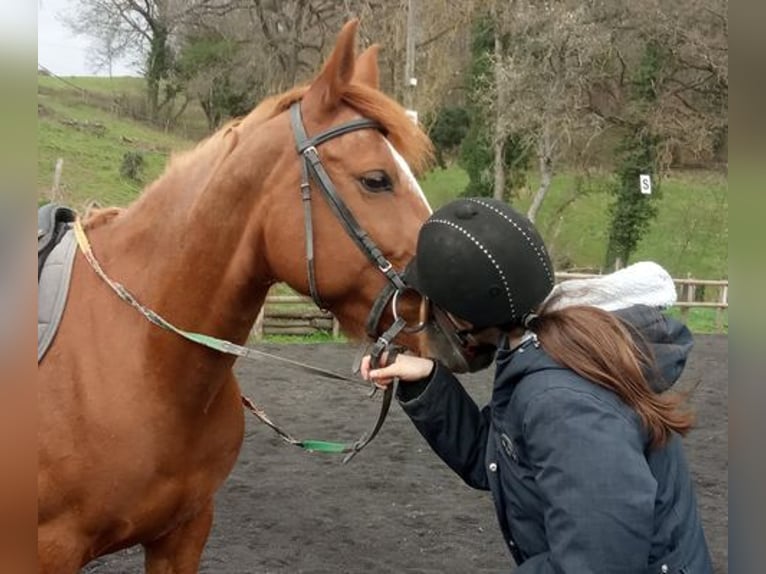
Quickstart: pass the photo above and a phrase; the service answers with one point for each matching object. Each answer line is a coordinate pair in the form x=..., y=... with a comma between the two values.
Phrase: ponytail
x=599, y=347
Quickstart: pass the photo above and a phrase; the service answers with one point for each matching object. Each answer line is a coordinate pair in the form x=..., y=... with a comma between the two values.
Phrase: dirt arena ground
x=395, y=508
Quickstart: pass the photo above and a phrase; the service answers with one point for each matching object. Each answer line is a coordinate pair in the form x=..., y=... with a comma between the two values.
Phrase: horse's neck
x=191, y=256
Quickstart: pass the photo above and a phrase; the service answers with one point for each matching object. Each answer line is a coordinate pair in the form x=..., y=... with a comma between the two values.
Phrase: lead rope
x=381, y=346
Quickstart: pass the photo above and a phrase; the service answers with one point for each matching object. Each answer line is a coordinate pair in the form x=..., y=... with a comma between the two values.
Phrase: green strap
x=323, y=446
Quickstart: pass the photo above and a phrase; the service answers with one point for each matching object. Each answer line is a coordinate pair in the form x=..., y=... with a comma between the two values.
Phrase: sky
x=58, y=49
x=16, y=22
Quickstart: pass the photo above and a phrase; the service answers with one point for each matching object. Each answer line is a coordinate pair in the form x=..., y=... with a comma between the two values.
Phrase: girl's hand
x=406, y=367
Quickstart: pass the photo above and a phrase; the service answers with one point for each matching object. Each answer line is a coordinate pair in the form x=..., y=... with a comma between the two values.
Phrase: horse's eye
x=376, y=182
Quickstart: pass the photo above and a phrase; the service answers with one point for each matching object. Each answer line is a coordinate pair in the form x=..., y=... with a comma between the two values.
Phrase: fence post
x=720, y=310
x=258, y=327
x=692, y=295
x=56, y=189
x=685, y=291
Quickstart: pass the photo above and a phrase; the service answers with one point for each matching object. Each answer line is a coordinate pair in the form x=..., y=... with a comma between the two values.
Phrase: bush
x=448, y=130
x=132, y=167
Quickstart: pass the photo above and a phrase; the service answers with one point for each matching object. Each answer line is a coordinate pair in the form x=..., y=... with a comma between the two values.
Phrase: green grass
x=121, y=96
x=92, y=142
x=689, y=236
x=443, y=185
x=691, y=233
x=703, y=321
x=95, y=84
x=320, y=337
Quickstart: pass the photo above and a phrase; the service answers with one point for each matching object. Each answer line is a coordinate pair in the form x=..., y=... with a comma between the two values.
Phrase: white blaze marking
x=409, y=176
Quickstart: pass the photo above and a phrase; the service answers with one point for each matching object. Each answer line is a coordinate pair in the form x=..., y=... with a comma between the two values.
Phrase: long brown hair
x=599, y=347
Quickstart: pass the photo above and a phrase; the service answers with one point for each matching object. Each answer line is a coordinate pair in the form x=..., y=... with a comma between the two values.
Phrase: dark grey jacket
x=576, y=488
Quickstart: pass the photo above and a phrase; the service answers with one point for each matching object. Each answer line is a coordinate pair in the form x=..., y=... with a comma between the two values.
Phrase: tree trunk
x=158, y=67
x=545, y=151
x=499, y=139
x=293, y=57
x=499, y=167
x=409, y=57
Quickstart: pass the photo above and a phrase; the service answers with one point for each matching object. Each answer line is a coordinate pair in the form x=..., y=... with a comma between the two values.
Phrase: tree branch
x=437, y=36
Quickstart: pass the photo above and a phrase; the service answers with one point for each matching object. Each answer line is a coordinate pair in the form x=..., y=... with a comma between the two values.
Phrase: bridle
x=312, y=168
x=438, y=321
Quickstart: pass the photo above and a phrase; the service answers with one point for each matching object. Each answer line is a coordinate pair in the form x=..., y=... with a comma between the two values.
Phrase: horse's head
x=340, y=208
x=367, y=172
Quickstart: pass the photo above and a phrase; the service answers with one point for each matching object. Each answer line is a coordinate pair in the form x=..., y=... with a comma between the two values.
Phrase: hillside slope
x=77, y=127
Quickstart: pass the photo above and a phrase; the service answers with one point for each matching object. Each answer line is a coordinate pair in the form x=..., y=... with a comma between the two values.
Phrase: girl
x=582, y=455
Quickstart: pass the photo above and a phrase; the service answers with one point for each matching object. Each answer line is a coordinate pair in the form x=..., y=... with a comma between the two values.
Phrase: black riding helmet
x=482, y=261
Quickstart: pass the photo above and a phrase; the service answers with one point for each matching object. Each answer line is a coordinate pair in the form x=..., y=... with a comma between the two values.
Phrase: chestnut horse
x=139, y=427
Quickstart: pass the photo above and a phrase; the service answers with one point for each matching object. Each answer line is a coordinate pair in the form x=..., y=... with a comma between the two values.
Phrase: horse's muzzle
x=458, y=352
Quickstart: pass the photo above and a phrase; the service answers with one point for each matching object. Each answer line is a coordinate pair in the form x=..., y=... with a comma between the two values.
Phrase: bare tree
x=688, y=41
x=142, y=27
x=568, y=70
x=111, y=47
x=551, y=54
x=146, y=30
x=443, y=52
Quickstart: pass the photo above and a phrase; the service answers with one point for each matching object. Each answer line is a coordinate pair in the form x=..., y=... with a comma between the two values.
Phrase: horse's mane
x=97, y=216
x=408, y=139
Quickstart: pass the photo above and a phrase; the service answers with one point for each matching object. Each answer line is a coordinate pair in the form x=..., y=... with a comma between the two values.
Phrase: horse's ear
x=366, y=70
x=337, y=72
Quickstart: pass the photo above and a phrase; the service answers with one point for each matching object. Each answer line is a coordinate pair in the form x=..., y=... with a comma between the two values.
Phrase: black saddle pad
x=52, y=225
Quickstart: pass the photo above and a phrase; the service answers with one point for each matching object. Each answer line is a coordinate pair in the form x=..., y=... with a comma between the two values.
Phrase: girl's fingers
x=364, y=368
x=378, y=376
x=367, y=373
x=385, y=373
x=406, y=367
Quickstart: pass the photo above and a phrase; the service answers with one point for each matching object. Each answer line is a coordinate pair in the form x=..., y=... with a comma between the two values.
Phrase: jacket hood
x=668, y=341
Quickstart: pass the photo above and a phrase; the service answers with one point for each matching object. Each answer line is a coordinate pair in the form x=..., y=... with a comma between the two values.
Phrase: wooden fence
x=691, y=294
x=694, y=293
x=293, y=315
x=297, y=315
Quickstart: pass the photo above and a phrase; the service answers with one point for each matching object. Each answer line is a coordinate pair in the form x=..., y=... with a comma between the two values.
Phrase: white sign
x=645, y=182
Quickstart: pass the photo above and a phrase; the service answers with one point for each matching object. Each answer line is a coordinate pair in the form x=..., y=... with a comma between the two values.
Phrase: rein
x=229, y=348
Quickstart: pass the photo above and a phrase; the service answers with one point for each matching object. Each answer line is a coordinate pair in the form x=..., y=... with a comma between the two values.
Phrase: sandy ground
x=395, y=508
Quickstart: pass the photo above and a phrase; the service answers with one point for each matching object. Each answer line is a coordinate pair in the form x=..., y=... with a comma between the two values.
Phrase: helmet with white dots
x=482, y=261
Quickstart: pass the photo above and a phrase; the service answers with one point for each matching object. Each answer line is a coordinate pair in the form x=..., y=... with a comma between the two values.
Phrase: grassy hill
x=83, y=121
x=92, y=140
x=689, y=235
